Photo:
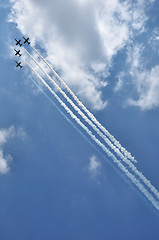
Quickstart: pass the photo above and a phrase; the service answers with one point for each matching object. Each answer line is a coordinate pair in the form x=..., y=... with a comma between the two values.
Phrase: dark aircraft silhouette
x=26, y=40
x=18, y=64
x=18, y=53
x=18, y=42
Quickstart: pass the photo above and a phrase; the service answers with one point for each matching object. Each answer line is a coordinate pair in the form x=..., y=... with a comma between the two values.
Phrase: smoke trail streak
x=78, y=130
x=92, y=117
x=120, y=165
x=116, y=150
x=129, y=163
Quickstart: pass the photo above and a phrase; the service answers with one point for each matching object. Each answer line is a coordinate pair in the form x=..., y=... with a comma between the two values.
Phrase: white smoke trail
x=120, y=165
x=116, y=150
x=92, y=117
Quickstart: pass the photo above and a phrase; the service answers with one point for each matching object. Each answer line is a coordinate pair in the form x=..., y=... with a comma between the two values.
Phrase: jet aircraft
x=18, y=53
x=18, y=42
x=18, y=64
x=26, y=40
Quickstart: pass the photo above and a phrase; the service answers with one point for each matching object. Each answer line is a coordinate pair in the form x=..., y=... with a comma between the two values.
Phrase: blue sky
x=55, y=182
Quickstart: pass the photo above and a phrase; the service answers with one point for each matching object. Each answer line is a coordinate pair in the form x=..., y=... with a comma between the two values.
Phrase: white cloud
x=120, y=82
x=21, y=133
x=94, y=166
x=5, y=135
x=80, y=37
x=154, y=40
x=145, y=80
x=4, y=160
x=134, y=58
x=148, y=89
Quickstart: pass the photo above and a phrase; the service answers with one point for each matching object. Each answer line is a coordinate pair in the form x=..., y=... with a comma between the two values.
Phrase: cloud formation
x=80, y=38
x=94, y=166
x=145, y=80
x=120, y=82
x=5, y=134
x=148, y=89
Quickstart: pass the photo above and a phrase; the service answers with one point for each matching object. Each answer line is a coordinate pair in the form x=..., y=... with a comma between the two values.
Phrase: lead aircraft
x=26, y=40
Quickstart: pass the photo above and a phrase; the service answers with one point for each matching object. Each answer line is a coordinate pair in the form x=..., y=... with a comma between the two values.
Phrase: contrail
x=92, y=117
x=115, y=160
x=116, y=150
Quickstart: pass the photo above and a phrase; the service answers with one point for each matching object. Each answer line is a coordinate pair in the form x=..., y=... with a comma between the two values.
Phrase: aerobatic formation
x=84, y=118
x=17, y=52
